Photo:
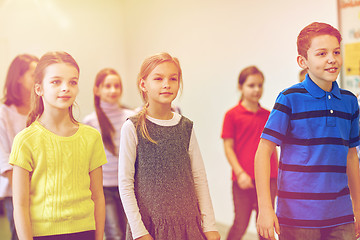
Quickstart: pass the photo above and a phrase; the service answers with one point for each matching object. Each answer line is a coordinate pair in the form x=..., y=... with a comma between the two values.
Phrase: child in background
x=316, y=125
x=57, y=174
x=241, y=132
x=108, y=118
x=13, y=113
x=162, y=179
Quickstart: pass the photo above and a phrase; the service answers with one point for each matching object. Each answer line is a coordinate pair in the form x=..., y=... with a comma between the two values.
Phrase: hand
x=145, y=237
x=212, y=235
x=244, y=181
x=266, y=222
x=357, y=225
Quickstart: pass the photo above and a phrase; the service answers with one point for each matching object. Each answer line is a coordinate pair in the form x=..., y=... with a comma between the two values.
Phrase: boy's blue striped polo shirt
x=315, y=130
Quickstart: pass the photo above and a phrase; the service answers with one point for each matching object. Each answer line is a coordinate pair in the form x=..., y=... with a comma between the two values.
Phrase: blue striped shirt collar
x=317, y=92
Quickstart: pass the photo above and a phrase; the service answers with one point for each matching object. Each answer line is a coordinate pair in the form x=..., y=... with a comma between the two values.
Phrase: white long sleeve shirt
x=127, y=157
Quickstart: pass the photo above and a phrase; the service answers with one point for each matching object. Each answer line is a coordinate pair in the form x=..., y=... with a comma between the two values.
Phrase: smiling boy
x=316, y=125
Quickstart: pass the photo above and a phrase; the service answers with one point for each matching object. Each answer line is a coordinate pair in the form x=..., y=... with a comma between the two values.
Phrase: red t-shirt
x=245, y=128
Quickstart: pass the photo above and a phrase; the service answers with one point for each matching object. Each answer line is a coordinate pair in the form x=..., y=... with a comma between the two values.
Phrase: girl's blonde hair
x=149, y=64
x=46, y=60
x=107, y=129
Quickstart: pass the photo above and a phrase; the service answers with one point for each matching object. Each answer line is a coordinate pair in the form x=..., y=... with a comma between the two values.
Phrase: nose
x=112, y=89
x=64, y=87
x=166, y=83
x=257, y=88
x=331, y=59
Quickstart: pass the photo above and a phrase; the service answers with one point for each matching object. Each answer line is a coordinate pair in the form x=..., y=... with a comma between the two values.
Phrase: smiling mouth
x=332, y=70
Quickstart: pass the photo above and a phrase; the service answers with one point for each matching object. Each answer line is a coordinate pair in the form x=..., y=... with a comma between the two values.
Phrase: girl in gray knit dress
x=162, y=179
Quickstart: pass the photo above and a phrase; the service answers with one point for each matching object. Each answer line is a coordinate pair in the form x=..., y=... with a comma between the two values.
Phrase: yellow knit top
x=60, y=196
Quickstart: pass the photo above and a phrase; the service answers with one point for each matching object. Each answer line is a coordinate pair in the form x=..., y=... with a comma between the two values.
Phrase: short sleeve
x=354, y=132
x=277, y=125
x=228, y=128
x=21, y=155
x=97, y=155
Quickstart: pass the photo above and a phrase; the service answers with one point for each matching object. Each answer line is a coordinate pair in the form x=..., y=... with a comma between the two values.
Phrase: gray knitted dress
x=164, y=184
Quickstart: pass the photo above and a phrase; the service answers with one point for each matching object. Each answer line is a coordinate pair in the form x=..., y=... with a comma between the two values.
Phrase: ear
x=239, y=87
x=142, y=85
x=38, y=89
x=302, y=62
x=96, y=91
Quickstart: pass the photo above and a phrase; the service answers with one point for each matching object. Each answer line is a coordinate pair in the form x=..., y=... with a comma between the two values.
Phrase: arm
x=21, y=197
x=9, y=175
x=267, y=219
x=97, y=195
x=127, y=157
x=202, y=190
x=5, y=149
x=243, y=179
x=353, y=174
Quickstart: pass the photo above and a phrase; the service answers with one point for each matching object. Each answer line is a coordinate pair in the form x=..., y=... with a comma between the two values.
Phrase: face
x=162, y=84
x=252, y=88
x=324, y=60
x=110, y=89
x=27, y=80
x=59, y=87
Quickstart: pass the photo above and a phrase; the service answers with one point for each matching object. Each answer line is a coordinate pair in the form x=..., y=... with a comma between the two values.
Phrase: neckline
x=51, y=134
x=166, y=123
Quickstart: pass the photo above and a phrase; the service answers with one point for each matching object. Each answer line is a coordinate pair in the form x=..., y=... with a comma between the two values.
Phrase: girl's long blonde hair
x=149, y=64
x=46, y=60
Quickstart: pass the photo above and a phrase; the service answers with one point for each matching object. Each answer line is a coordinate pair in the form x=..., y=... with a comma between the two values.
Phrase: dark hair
x=246, y=72
x=107, y=129
x=46, y=60
x=18, y=67
x=314, y=29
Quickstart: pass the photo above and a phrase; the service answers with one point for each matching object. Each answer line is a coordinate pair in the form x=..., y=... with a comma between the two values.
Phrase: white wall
x=91, y=31
x=213, y=39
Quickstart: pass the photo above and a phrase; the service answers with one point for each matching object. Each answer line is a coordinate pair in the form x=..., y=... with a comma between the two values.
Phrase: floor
x=223, y=229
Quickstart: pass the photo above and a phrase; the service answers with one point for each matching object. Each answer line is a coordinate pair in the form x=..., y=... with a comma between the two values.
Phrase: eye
x=321, y=54
x=174, y=79
x=337, y=52
x=55, y=82
x=158, y=79
x=73, y=82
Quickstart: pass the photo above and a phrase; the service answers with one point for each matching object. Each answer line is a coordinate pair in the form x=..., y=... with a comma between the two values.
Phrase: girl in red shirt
x=242, y=127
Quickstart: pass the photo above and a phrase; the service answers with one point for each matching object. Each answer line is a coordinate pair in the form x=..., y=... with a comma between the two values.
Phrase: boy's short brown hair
x=313, y=30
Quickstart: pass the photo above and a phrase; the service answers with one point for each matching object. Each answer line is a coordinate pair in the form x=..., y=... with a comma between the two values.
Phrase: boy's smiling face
x=323, y=61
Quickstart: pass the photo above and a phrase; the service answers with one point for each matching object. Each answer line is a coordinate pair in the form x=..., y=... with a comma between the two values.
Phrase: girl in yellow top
x=57, y=175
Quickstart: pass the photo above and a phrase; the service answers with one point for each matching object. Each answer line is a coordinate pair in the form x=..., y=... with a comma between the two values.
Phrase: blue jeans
x=9, y=208
x=115, y=221
x=244, y=202
x=342, y=232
